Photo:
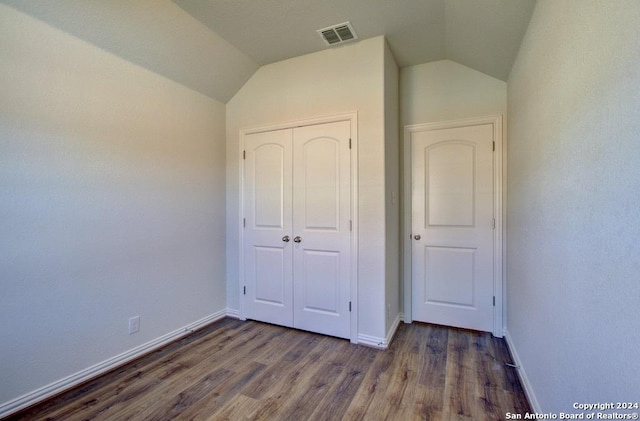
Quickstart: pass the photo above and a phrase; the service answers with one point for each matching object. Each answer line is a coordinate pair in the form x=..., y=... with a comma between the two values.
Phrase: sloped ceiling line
x=214, y=46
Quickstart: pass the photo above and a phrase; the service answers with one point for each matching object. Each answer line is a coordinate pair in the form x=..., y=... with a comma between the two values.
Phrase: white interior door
x=452, y=226
x=321, y=227
x=297, y=228
x=268, y=271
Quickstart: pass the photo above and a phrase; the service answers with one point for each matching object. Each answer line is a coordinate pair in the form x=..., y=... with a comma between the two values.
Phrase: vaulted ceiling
x=215, y=46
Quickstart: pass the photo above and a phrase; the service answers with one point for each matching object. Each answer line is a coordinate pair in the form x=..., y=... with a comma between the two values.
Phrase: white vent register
x=338, y=34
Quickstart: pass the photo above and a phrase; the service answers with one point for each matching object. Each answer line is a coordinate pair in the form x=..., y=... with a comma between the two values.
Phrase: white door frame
x=498, y=286
x=352, y=117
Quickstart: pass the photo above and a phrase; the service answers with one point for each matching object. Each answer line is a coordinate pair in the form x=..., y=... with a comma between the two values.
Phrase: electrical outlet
x=134, y=324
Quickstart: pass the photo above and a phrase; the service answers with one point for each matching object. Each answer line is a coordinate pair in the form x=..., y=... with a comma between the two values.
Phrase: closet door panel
x=321, y=224
x=267, y=197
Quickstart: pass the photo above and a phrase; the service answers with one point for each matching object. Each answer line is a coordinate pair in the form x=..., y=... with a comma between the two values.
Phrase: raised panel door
x=321, y=222
x=452, y=226
x=268, y=270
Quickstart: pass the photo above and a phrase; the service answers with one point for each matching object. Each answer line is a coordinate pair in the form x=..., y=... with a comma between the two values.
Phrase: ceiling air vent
x=337, y=34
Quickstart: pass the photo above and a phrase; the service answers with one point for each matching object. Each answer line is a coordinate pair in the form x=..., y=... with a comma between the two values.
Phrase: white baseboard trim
x=372, y=341
x=393, y=329
x=381, y=343
x=522, y=374
x=232, y=312
x=94, y=371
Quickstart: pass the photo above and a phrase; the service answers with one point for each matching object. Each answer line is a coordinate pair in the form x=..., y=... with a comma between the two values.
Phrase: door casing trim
x=352, y=117
x=498, y=279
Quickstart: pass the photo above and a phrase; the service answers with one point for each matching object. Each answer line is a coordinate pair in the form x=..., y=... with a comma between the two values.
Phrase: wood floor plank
x=189, y=365
x=92, y=399
x=273, y=351
x=285, y=395
x=331, y=369
x=221, y=395
x=434, y=350
x=401, y=394
x=236, y=409
x=285, y=369
x=303, y=400
x=490, y=371
x=429, y=396
x=373, y=385
x=244, y=370
x=402, y=375
x=459, y=383
x=428, y=403
x=346, y=385
x=171, y=408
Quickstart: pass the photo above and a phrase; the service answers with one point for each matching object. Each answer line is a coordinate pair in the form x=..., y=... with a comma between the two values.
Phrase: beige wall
x=338, y=80
x=111, y=205
x=574, y=219
x=445, y=90
x=392, y=189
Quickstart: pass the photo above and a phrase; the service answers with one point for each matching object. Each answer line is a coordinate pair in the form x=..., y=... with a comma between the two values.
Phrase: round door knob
x=297, y=240
x=286, y=238
x=417, y=237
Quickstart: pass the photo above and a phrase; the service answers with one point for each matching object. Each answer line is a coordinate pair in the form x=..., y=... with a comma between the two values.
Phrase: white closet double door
x=297, y=233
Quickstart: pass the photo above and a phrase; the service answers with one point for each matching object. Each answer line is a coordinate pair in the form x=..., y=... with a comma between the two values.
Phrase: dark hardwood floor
x=235, y=370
